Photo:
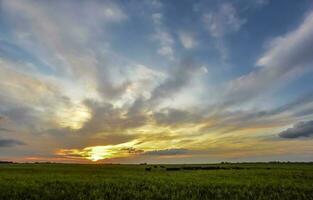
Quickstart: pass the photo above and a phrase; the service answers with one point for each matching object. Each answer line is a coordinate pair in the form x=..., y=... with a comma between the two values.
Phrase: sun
x=96, y=153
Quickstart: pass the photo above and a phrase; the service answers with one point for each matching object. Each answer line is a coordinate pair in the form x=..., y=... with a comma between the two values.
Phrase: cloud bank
x=301, y=129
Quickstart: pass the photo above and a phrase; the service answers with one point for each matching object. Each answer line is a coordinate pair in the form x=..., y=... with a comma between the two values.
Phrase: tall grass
x=61, y=181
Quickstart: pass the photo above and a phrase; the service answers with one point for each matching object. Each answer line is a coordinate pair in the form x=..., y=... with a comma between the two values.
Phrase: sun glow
x=96, y=153
x=100, y=152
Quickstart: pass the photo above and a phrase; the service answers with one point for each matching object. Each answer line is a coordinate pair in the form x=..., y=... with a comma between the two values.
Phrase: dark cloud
x=107, y=118
x=167, y=152
x=175, y=117
x=301, y=129
x=25, y=117
x=5, y=129
x=132, y=150
x=21, y=114
x=10, y=143
x=137, y=107
x=105, y=85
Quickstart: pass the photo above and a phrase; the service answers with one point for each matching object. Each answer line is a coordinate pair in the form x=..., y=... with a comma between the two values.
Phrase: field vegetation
x=219, y=181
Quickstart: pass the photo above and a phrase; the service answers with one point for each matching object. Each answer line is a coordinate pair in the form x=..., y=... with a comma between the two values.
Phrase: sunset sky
x=173, y=81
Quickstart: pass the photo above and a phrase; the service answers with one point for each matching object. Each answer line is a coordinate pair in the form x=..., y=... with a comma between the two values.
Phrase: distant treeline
x=235, y=163
x=269, y=162
x=5, y=162
x=184, y=167
x=222, y=166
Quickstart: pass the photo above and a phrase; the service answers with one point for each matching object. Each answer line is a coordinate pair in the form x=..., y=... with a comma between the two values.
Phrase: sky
x=172, y=81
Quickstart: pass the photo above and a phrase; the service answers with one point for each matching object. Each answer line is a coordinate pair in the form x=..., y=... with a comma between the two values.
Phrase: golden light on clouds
x=73, y=117
x=99, y=152
x=96, y=153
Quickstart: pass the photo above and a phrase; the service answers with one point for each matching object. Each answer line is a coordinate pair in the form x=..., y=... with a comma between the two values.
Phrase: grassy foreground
x=233, y=181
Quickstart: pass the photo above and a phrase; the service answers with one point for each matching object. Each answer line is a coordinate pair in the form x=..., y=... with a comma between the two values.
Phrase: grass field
x=232, y=181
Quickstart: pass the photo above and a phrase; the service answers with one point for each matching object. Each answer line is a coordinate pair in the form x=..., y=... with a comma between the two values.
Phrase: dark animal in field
x=211, y=168
x=148, y=169
x=191, y=168
x=203, y=168
x=238, y=168
x=173, y=169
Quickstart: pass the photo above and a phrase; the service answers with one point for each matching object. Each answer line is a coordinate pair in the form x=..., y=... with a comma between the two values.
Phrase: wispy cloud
x=10, y=143
x=225, y=20
x=187, y=40
x=167, y=152
x=286, y=59
x=163, y=37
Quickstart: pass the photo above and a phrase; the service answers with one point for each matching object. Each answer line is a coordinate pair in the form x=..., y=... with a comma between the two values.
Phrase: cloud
x=108, y=119
x=292, y=50
x=187, y=40
x=2, y=120
x=178, y=78
x=164, y=38
x=103, y=152
x=223, y=21
x=176, y=81
x=287, y=58
x=5, y=130
x=261, y=2
x=157, y=18
x=10, y=143
x=174, y=117
x=132, y=150
x=249, y=5
x=73, y=49
x=301, y=129
x=232, y=119
x=41, y=103
x=155, y=3
x=167, y=152
x=58, y=41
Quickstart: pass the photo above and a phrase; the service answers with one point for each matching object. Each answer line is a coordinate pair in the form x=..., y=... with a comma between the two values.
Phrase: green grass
x=69, y=181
